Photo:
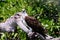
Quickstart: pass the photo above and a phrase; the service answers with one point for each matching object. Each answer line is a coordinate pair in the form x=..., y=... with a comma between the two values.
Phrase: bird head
x=21, y=14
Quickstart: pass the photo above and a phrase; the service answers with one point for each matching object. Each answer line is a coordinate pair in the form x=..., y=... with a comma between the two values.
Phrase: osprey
x=32, y=23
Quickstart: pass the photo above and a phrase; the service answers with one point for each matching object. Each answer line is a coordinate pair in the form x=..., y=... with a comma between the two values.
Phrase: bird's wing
x=35, y=25
x=32, y=22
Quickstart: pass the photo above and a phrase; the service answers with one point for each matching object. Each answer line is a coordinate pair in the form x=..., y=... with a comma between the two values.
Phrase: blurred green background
x=46, y=11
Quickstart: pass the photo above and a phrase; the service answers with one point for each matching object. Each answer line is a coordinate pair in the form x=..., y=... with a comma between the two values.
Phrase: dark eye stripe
x=18, y=14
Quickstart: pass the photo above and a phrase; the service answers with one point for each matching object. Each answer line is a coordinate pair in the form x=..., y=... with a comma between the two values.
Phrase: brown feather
x=35, y=25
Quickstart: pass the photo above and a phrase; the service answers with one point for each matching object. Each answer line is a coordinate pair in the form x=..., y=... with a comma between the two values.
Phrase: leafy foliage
x=43, y=10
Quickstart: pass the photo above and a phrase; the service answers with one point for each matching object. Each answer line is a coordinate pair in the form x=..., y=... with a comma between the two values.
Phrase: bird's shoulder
x=30, y=18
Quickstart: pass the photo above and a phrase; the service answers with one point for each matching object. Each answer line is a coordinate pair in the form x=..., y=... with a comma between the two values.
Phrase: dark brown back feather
x=35, y=25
